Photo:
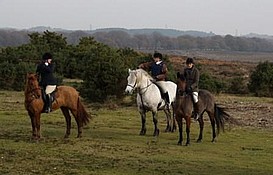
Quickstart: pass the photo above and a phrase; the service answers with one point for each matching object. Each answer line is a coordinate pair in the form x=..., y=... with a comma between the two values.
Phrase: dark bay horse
x=66, y=98
x=184, y=108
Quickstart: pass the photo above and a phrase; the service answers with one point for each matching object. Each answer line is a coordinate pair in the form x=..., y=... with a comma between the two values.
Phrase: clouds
x=218, y=16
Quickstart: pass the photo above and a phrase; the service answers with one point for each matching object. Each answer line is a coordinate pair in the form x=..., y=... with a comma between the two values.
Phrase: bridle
x=140, y=89
x=132, y=86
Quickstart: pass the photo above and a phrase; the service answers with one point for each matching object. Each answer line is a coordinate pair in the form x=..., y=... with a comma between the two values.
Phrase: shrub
x=261, y=80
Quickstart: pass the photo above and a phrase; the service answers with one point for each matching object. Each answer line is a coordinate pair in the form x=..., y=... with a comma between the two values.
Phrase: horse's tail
x=221, y=116
x=82, y=113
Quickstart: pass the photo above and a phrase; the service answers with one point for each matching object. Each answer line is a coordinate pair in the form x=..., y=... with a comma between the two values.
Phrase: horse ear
x=129, y=70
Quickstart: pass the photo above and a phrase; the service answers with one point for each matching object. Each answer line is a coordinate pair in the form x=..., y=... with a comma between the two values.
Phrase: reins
x=140, y=89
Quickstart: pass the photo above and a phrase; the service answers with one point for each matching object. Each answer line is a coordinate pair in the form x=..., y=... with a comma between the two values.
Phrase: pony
x=184, y=107
x=149, y=98
x=66, y=98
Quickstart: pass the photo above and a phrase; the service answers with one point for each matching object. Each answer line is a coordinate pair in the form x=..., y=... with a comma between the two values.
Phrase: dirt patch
x=249, y=111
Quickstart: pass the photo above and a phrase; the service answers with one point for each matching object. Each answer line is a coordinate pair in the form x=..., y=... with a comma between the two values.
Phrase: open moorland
x=111, y=143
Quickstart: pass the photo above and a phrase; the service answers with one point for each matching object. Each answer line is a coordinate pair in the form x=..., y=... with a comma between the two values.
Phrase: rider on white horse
x=159, y=72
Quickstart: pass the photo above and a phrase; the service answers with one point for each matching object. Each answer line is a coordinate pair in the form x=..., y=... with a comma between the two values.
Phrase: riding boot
x=167, y=99
x=48, y=104
x=196, y=111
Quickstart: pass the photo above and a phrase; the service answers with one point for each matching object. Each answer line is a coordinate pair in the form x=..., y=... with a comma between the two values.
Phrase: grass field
x=111, y=145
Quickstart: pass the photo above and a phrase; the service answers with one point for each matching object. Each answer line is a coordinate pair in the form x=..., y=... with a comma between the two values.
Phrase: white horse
x=149, y=98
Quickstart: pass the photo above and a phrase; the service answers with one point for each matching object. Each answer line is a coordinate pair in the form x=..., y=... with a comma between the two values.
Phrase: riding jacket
x=158, y=70
x=45, y=71
x=192, y=78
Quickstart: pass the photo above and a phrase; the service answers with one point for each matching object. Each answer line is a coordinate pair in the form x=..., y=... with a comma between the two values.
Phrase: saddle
x=52, y=97
x=164, y=95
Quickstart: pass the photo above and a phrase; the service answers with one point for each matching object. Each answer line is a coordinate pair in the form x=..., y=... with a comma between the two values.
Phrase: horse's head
x=131, y=81
x=181, y=83
x=32, y=85
x=32, y=80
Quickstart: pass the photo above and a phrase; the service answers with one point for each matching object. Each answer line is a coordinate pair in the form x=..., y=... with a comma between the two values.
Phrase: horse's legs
x=180, y=128
x=143, y=122
x=34, y=132
x=212, y=121
x=169, y=122
x=68, y=121
x=37, y=122
x=173, y=119
x=79, y=123
x=201, y=128
x=188, y=125
x=156, y=130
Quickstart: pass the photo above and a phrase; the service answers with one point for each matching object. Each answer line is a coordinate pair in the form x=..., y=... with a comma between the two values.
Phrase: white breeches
x=195, y=97
x=50, y=88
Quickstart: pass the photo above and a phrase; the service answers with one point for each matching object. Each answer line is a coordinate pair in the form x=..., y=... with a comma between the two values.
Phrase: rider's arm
x=146, y=66
x=162, y=76
x=194, y=85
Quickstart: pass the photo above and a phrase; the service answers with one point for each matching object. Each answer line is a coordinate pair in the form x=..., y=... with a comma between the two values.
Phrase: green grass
x=111, y=145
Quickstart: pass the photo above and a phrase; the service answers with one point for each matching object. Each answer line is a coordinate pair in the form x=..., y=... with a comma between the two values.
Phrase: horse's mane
x=32, y=88
x=145, y=73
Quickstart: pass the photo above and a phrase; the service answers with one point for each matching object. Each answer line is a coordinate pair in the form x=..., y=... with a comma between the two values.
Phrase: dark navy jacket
x=158, y=71
x=46, y=74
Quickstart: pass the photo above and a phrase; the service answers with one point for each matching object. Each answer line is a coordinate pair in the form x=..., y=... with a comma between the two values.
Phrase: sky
x=222, y=17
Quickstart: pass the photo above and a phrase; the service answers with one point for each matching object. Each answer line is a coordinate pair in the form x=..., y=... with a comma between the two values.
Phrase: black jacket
x=192, y=78
x=46, y=74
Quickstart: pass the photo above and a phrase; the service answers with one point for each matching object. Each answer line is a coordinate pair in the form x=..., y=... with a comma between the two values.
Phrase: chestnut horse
x=184, y=108
x=66, y=98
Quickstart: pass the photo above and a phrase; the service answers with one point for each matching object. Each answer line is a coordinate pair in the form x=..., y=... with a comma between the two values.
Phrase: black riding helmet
x=158, y=55
x=47, y=56
x=189, y=60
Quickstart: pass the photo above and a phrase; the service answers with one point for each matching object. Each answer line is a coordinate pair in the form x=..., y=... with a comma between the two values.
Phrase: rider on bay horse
x=47, y=80
x=159, y=71
x=191, y=73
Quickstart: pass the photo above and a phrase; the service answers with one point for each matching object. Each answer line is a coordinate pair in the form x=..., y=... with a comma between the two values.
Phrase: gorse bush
x=261, y=80
x=211, y=83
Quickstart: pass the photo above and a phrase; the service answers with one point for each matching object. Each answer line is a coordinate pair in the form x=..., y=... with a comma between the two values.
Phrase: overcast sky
x=235, y=17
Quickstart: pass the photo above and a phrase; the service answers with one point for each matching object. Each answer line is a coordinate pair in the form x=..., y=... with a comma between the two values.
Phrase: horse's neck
x=144, y=82
x=184, y=98
x=32, y=93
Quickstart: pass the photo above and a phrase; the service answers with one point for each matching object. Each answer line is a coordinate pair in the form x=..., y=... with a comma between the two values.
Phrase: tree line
x=152, y=41
x=102, y=68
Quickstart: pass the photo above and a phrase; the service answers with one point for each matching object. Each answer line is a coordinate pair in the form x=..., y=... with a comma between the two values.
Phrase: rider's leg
x=195, y=105
x=164, y=91
x=48, y=91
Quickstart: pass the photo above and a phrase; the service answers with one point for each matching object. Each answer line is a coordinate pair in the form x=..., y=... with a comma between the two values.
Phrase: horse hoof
x=187, y=144
x=199, y=141
x=213, y=140
x=168, y=130
x=142, y=132
x=156, y=133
